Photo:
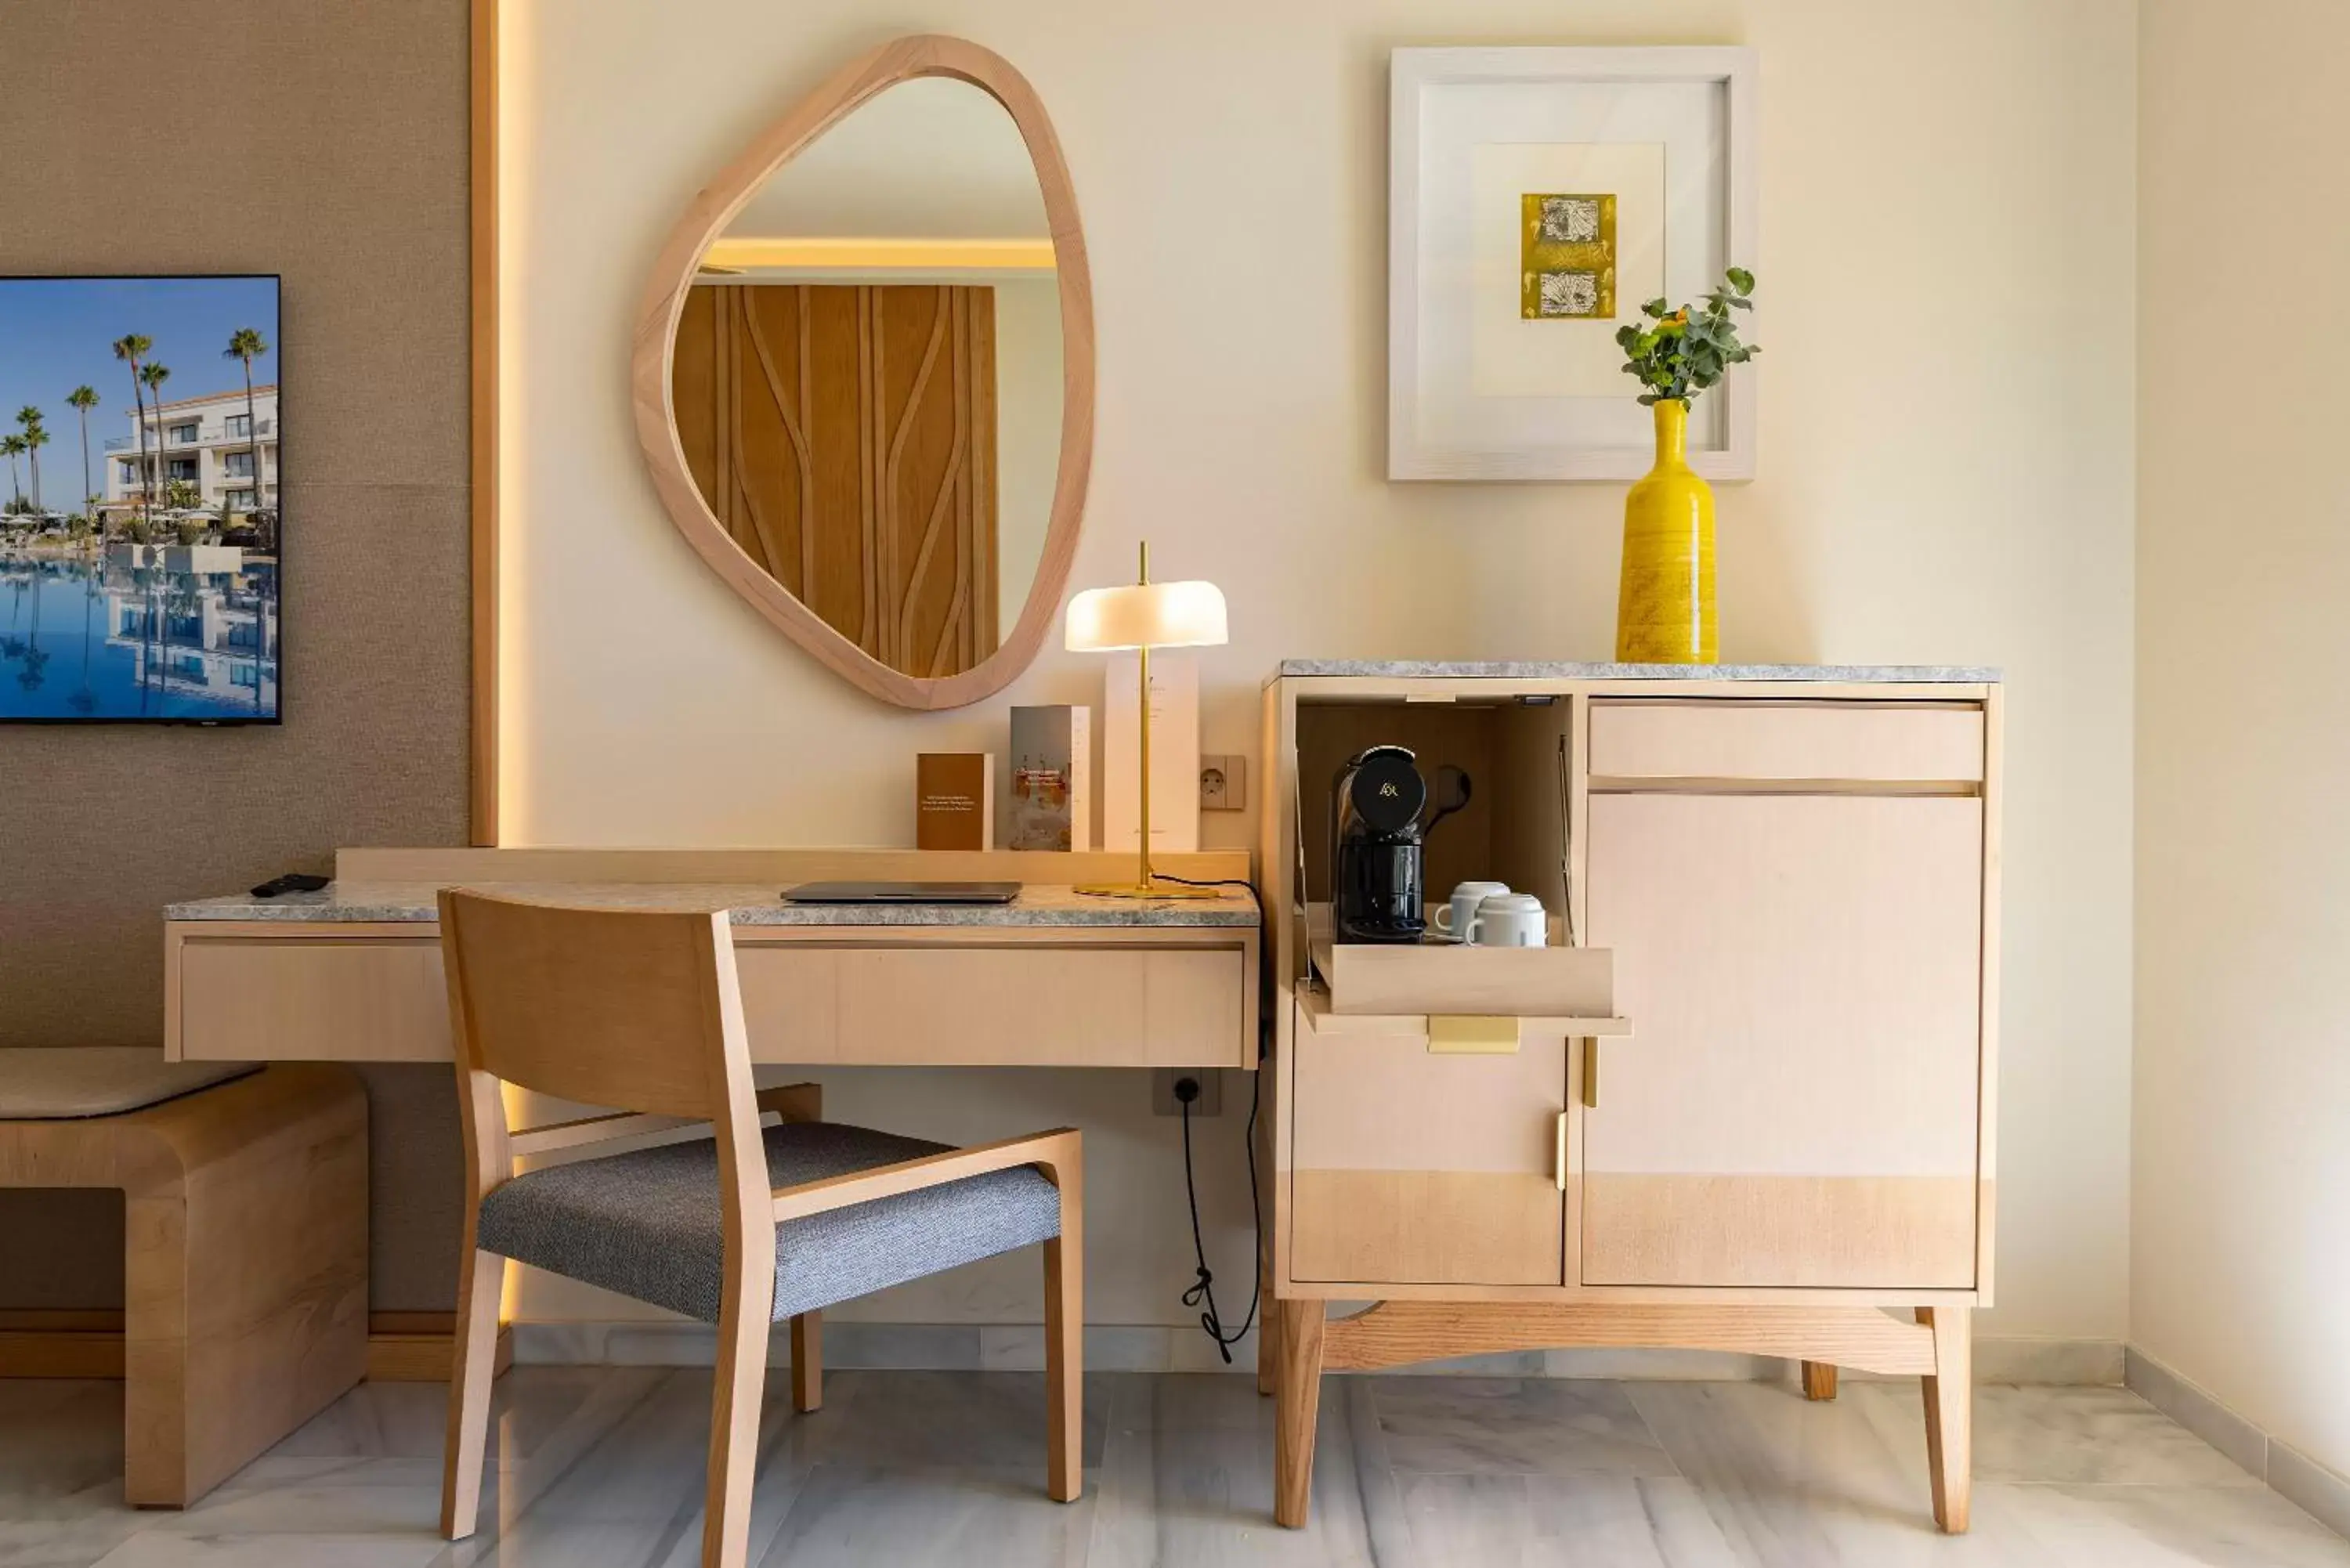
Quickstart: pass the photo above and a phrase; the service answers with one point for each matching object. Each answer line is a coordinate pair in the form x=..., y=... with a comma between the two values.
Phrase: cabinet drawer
x=1865, y=742
x=1043, y=1007
x=1413, y=1169
x=312, y=999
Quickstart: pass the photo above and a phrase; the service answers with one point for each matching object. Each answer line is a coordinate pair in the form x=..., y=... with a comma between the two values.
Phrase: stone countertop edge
x=1536, y=669
x=323, y=907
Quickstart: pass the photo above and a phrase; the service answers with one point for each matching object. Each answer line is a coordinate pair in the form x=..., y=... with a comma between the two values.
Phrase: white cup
x=1511, y=920
x=1455, y=919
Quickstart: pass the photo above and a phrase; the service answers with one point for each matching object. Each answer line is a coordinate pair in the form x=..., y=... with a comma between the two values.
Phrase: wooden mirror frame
x=900, y=60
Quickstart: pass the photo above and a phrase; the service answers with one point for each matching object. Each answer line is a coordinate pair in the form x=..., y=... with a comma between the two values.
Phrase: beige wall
x=2240, y=1247
x=237, y=137
x=1946, y=471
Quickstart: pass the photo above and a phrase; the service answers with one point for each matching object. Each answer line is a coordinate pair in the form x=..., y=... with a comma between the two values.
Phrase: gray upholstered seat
x=646, y=1223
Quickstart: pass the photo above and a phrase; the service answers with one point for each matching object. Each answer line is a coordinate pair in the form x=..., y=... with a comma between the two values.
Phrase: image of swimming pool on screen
x=142, y=537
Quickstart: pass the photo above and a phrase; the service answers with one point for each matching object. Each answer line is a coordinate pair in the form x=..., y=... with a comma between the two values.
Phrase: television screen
x=140, y=529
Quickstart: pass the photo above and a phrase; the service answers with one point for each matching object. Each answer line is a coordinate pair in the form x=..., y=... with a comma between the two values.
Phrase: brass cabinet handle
x=1591, y=1075
x=1558, y=1167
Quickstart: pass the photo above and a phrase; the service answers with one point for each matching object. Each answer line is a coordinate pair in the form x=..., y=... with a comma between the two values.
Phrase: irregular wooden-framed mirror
x=863, y=374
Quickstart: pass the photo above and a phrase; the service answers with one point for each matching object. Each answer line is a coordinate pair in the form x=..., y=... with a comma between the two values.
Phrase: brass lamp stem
x=1144, y=662
x=1147, y=875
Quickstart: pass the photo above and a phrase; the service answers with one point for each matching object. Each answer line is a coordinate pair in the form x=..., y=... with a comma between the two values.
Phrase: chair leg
x=740, y=1384
x=470, y=1372
x=1064, y=1351
x=807, y=1361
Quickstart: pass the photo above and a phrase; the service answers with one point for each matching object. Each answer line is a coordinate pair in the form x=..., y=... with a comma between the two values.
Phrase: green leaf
x=1741, y=279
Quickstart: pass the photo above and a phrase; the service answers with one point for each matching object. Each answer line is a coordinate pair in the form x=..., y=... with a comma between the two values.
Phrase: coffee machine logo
x=1388, y=790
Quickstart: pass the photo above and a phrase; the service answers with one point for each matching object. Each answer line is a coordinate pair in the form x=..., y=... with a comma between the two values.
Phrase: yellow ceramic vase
x=1665, y=611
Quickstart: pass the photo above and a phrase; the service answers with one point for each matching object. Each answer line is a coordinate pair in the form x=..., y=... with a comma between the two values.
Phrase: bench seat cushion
x=647, y=1223
x=40, y=1083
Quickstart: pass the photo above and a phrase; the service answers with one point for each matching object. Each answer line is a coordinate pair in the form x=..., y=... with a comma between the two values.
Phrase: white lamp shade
x=1146, y=615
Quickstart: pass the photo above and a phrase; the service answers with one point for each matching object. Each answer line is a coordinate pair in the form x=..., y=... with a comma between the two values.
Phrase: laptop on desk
x=902, y=893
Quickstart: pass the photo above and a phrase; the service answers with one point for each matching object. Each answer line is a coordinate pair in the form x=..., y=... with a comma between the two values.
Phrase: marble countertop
x=1038, y=905
x=1539, y=670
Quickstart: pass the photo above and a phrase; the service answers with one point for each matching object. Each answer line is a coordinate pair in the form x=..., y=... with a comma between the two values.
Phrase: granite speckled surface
x=1540, y=669
x=1039, y=905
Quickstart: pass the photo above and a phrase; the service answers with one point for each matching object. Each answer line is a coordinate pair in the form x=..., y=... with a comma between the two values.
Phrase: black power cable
x=1202, y=1292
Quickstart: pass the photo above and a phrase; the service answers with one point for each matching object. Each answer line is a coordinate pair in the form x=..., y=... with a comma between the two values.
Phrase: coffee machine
x=1376, y=842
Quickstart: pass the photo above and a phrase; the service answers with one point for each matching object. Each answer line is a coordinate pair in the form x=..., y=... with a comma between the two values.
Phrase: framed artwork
x=1537, y=198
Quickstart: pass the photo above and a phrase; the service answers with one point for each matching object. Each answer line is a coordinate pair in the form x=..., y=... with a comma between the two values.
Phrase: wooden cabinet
x=1795, y=883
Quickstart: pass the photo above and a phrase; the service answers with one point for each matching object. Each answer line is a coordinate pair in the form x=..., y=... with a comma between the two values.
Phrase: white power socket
x=1223, y=783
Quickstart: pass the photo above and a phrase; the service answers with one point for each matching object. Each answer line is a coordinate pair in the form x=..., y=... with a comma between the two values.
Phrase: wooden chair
x=740, y=1228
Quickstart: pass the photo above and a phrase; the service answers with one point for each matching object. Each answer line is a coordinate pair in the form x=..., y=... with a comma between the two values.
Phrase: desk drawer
x=382, y=998
x=1744, y=739
x=312, y=999
x=1021, y=1006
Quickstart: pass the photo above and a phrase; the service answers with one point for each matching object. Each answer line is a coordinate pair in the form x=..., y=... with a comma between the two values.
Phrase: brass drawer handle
x=1470, y=1035
x=1591, y=1075
x=1558, y=1170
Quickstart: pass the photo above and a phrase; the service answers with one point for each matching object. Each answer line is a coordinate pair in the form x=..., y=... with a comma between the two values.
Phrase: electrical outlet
x=1163, y=1101
x=1223, y=783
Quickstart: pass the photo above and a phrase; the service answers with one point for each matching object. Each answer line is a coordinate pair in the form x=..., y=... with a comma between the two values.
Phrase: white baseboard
x=2294, y=1474
x=1158, y=1347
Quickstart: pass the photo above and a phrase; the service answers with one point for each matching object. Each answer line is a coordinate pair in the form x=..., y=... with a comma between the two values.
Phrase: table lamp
x=1145, y=616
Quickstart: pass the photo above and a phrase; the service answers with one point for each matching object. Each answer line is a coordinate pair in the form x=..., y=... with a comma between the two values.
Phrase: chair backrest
x=635, y=1010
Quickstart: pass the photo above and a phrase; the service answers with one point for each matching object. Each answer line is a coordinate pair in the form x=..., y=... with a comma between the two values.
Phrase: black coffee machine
x=1376, y=882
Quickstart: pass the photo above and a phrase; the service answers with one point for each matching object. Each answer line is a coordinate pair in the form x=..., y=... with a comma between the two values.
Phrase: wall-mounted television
x=142, y=534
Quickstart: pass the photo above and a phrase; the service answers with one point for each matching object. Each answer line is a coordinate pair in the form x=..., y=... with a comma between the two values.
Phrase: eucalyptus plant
x=1684, y=352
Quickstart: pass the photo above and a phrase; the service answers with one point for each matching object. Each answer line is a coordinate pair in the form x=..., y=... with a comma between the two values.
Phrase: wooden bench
x=245, y=1225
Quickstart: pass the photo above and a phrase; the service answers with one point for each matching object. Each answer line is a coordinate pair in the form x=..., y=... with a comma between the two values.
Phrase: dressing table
x=352, y=973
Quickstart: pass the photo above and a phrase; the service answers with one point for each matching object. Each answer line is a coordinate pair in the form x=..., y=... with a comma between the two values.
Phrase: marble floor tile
x=1793, y=1484
x=2160, y=1526
x=602, y=1468
x=855, y=1515
x=1486, y=1426
x=2057, y=1436
x=1187, y=1481
x=953, y=1420
x=1501, y=1520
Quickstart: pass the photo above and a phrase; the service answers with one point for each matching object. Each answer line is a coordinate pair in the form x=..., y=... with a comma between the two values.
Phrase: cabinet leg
x=1949, y=1416
x=1819, y=1380
x=1268, y=1327
x=1299, y=1376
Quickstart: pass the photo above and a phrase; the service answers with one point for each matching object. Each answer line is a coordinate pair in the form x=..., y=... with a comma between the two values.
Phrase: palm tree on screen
x=35, y=437
x=128, y=348
x=154, y=375
x=14, y=446
x=81, y=399
x=246, y=344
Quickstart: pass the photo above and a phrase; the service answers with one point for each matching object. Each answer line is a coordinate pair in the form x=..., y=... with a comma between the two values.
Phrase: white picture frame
x=1449, y=106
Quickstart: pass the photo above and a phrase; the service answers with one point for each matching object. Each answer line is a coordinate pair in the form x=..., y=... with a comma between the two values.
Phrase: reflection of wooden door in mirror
x=845, y=438
x=921, y=173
